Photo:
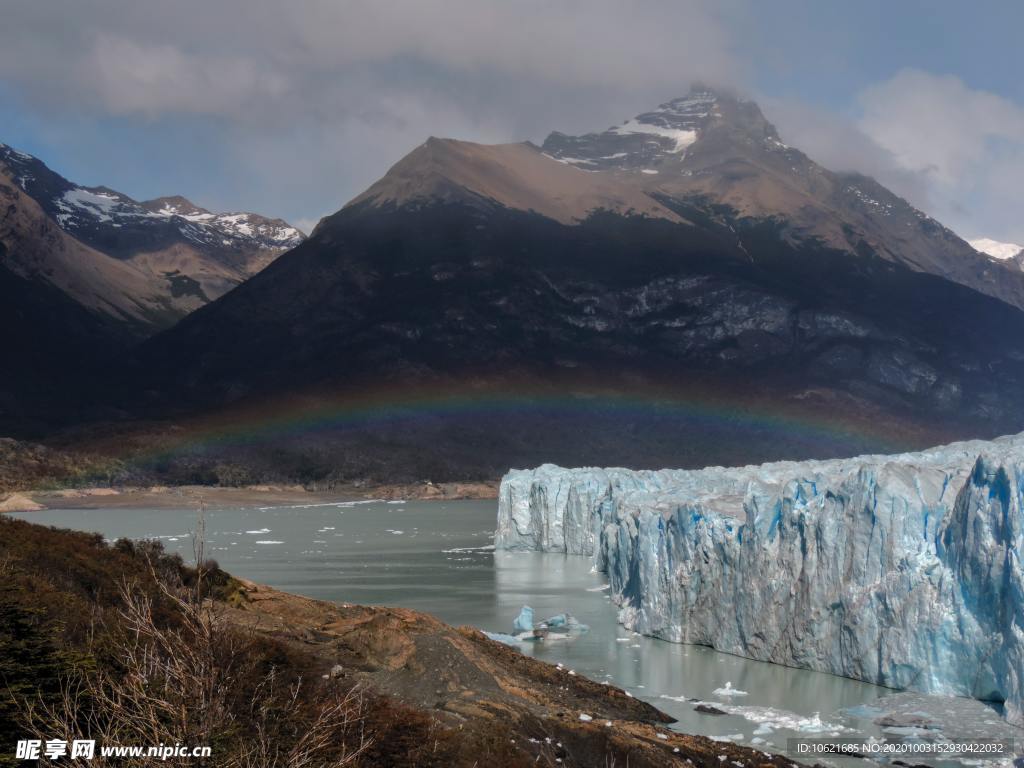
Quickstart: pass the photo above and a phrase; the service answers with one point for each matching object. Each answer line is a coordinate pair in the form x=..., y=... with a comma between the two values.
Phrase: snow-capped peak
x=250, y=228
x=677, y=120
x=111, y=221
x=664, y=133
x=996, y=249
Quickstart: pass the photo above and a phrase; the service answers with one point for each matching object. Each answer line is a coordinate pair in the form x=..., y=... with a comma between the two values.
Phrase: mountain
x=86, y=272
x=713, y=148
x=685, y=254
x=149, y=262
x=516, y=176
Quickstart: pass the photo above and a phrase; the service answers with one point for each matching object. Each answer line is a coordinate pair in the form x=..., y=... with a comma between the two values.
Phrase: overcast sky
x=291, y=108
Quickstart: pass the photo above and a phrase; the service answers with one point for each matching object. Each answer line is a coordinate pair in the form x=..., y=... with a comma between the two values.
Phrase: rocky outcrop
x=898, y=570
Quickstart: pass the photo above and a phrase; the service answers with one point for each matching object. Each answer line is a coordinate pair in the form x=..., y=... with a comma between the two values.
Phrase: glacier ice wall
x=899, y=570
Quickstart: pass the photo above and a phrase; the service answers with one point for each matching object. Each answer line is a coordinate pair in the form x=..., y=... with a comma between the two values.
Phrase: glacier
x=900, y=570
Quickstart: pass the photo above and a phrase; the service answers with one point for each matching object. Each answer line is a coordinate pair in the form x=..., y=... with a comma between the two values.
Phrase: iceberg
x=525, y=629
x=901, y=570
x=524, y=621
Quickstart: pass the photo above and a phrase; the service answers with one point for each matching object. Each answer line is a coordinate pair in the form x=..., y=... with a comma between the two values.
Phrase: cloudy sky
x=291, y=108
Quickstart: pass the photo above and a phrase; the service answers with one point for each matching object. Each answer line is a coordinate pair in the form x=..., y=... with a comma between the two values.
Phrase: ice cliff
x=899, y=570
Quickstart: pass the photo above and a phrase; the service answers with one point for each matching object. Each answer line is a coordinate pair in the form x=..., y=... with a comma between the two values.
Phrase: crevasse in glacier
x=899, y=570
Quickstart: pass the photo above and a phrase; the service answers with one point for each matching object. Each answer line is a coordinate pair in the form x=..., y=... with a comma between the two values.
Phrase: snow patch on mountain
x=101, y=206
x=996, y=249
x=682, y=138
x=662, y=134
x=262, y=232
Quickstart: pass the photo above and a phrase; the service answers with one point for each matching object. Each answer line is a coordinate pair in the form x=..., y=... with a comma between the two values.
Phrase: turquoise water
x=438, y=557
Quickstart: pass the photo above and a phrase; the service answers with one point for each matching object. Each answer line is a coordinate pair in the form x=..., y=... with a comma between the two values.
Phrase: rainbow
x=697, y=410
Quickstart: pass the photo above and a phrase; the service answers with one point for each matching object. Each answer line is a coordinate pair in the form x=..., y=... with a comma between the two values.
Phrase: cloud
x=321, y=96
x=953, y=151
x=838, y=143
x=967, y=144
x=230, y=58
x=300, y=106
x=152, y=80
x=938, y=126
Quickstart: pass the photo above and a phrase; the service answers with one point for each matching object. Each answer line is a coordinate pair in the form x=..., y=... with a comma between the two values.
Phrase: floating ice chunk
x=524, y=621
x=501, y=637
x=566, y=622
x=769, y=719
x=257, y=532
x=728, y=690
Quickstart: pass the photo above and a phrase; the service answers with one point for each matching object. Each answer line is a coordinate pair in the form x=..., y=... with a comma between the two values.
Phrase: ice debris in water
x=566, y=625
x=769, y=718
x=524, y=629
x=524, y=621
x=902, y=570
x=728, y=690
x=501, y=637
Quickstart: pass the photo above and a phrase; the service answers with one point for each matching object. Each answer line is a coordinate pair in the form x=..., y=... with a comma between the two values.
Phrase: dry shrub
x=195, y=682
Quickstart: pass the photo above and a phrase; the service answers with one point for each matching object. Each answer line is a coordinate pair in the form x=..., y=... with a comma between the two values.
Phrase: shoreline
x=220, y=496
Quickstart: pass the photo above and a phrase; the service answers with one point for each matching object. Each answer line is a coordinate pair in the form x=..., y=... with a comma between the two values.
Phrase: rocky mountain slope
x=148, y=263
x=898, y=570
x=713, y=148
x=515, y=176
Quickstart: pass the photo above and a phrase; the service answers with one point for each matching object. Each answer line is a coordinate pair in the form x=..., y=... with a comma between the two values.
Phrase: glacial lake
x=438, y=557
